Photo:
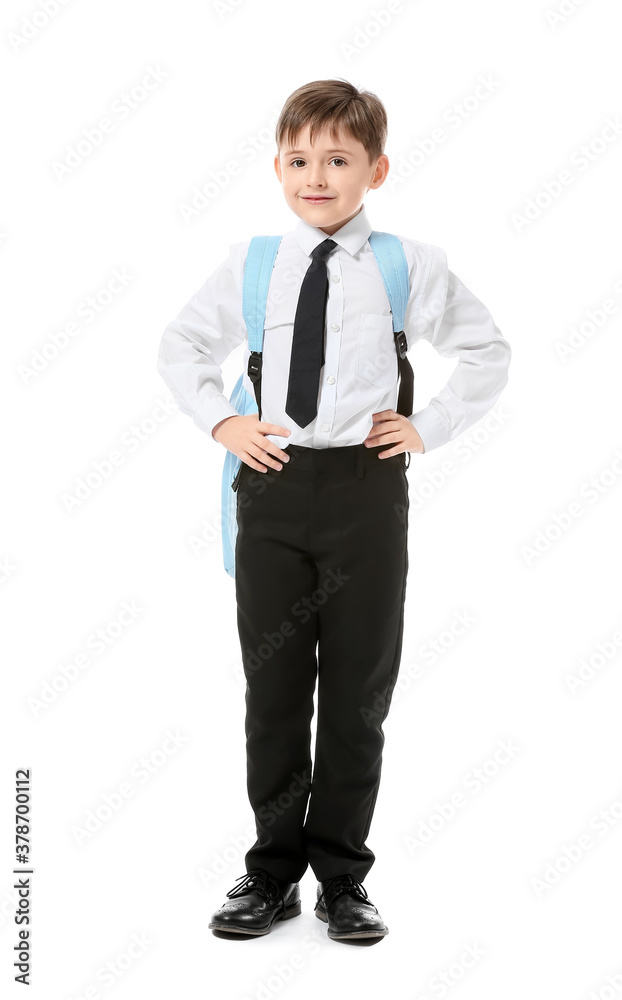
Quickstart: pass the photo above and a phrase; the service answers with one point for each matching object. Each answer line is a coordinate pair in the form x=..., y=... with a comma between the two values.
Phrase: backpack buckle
x=254, y=367
x=402, y=344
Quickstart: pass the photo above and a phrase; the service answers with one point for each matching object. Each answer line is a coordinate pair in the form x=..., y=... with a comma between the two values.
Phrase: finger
x=268, y=452
x=388, y=454
x=380, y=436
x=273, y=449
x=255, y=463
x=273, y=429
x=393, y=447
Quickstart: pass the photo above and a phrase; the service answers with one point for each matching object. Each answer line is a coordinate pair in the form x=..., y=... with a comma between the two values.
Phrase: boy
x=322, y=498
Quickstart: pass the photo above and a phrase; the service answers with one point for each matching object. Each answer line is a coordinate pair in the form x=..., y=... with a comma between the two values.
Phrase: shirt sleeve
x=195, y=344
x=457, y=325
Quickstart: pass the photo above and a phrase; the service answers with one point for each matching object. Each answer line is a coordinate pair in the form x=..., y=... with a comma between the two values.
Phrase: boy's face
x=336, y=171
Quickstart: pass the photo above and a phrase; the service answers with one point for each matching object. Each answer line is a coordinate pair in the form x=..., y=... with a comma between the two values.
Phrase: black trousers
x=321, y=567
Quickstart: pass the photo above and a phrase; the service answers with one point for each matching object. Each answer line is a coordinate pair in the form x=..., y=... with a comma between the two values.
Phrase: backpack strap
x=393, y=267
x=260, y=260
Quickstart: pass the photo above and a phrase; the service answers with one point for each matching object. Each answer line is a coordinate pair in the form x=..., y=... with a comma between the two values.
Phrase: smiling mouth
x=319, y=197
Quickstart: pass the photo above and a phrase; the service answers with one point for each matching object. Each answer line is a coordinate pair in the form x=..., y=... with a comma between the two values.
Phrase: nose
x=316, y=177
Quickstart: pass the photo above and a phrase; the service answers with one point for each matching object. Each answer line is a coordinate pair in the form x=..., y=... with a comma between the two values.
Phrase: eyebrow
x=290, y=152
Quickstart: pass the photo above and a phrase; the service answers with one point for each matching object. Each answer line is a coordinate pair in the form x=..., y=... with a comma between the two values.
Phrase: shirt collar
x=351, y=237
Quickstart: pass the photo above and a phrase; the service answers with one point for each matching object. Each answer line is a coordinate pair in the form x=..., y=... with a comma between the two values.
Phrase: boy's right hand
x=245, y=436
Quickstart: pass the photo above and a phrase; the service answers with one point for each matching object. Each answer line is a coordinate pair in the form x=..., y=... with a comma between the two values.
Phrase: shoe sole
x=321, y=915
x=291, y=911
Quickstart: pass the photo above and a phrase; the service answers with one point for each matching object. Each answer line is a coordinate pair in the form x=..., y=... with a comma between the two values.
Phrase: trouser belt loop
x=360, y=462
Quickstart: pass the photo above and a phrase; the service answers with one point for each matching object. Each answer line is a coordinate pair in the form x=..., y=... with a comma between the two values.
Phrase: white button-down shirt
x=360, y=372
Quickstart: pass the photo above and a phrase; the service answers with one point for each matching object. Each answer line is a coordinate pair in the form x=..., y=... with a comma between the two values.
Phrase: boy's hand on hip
x=393, y=429
x=245, y=436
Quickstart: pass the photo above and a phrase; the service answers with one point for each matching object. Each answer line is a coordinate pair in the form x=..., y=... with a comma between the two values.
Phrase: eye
x=296, y=161
x=338, y=158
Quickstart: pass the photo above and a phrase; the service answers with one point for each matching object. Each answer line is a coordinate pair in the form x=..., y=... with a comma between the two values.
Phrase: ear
x=381, y=171
x=277, y=167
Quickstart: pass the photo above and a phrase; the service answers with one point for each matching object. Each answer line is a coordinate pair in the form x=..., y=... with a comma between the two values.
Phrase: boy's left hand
x=395, y=429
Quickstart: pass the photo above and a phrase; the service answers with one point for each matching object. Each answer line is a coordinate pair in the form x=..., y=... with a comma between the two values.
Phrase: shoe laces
x=337, y=886
x=260, y=881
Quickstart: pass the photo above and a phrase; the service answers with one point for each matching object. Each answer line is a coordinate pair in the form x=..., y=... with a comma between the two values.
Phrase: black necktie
x=308, y=342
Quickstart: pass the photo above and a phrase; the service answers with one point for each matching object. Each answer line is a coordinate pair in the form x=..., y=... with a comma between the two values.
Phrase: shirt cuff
x=219, y=408
x=431, y=427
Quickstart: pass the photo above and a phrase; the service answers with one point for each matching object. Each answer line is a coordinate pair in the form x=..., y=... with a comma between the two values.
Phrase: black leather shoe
x=344, y=904
x=258, y=902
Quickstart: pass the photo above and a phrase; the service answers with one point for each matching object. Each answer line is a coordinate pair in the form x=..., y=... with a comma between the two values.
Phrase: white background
x=495, y=876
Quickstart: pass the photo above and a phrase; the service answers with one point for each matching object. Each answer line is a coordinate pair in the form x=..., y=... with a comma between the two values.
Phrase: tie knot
x=322, y=251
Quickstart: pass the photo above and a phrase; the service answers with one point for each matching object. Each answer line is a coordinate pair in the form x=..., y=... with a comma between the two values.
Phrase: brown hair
x=339, y=105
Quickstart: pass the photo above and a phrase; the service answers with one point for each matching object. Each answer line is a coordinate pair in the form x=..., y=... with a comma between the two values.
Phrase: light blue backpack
x=260, y=259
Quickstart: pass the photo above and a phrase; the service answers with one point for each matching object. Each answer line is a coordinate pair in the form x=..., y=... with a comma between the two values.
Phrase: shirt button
x=335, y=277
x=330, y=379
x=334, y=326
x=325, y=427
